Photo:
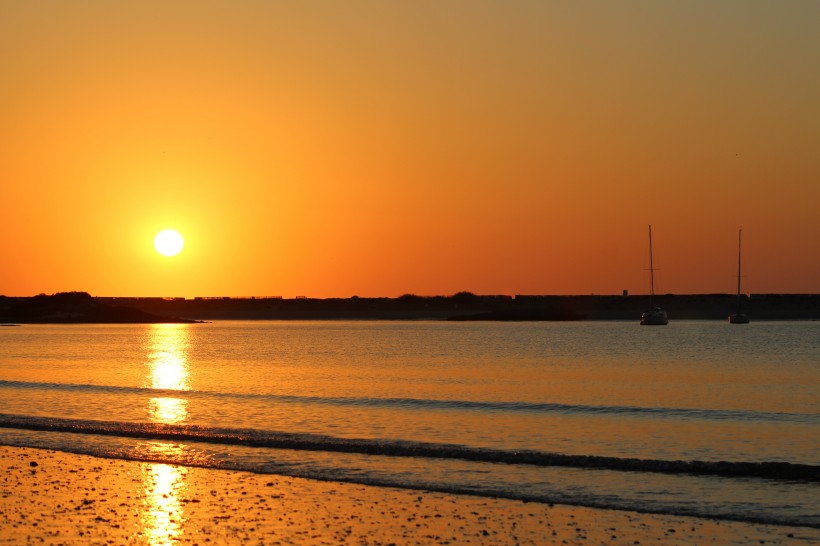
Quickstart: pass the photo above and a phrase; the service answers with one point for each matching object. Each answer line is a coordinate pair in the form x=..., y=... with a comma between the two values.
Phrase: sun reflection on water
x=168, y=371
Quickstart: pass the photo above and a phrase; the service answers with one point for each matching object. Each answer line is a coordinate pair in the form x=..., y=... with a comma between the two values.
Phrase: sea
x=698, y=418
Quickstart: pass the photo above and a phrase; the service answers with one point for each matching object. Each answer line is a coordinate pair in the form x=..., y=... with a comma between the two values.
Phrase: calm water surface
x=550, y=412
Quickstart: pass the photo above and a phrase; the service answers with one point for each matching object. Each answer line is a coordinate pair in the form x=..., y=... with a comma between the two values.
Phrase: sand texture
x=49, y=497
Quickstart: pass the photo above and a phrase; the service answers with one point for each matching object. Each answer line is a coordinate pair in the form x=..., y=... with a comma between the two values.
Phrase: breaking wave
x=400, y=448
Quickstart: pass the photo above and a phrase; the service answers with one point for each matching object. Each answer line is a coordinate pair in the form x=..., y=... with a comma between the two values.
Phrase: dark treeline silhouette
x=80, y=307
x=73, y=307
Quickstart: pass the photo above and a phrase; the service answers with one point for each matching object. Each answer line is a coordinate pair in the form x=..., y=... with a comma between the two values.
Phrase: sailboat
x=738, y=317
x=655, y=316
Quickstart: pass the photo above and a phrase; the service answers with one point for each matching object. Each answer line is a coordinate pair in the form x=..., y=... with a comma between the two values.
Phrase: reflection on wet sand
x=163, y=517
x=163, y=520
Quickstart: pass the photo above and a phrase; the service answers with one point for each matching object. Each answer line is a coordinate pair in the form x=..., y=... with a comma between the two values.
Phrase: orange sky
x=382, y=148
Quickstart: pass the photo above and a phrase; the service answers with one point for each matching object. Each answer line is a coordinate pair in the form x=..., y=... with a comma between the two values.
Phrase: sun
x=169, y=242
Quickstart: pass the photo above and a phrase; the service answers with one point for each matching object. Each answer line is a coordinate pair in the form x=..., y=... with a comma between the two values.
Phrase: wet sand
x=49, y=497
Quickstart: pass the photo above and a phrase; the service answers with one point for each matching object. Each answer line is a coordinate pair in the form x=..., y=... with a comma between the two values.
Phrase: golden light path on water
x=168, y=371
x=163, y=516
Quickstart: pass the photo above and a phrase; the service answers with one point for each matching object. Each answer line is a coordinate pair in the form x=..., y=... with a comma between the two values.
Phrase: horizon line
x=465, y=294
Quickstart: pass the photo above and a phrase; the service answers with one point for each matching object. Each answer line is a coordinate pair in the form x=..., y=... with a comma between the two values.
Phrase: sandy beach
x=49, y=497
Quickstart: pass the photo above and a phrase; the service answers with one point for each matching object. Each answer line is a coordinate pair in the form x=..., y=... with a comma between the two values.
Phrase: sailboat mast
x=739, y=232
x=654, y=315
x=651, y=272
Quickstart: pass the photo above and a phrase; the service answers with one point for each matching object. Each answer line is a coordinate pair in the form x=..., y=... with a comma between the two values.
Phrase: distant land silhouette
x=74, y=308
x=80, y=307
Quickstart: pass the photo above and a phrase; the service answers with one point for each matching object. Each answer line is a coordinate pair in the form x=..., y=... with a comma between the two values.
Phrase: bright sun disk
x=168, y=242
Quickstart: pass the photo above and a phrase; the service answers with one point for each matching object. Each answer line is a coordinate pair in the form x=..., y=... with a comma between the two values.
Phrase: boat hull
x=655, y=317
x=739, y=318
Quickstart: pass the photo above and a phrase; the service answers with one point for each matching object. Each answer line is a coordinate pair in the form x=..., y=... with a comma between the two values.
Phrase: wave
x=427, y=404
x=399, y=448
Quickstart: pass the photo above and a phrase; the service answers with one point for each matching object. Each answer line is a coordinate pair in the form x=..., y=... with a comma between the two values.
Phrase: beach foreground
x=59, y=498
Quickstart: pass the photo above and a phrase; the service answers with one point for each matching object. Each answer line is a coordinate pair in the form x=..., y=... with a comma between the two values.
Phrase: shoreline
x=62, y=498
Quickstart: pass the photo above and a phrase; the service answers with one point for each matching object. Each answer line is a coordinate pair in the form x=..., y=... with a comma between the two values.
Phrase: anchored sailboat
x=655, y=316
x=738, y=317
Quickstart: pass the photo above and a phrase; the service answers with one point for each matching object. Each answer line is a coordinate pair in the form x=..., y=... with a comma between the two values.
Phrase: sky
x=332, y=149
